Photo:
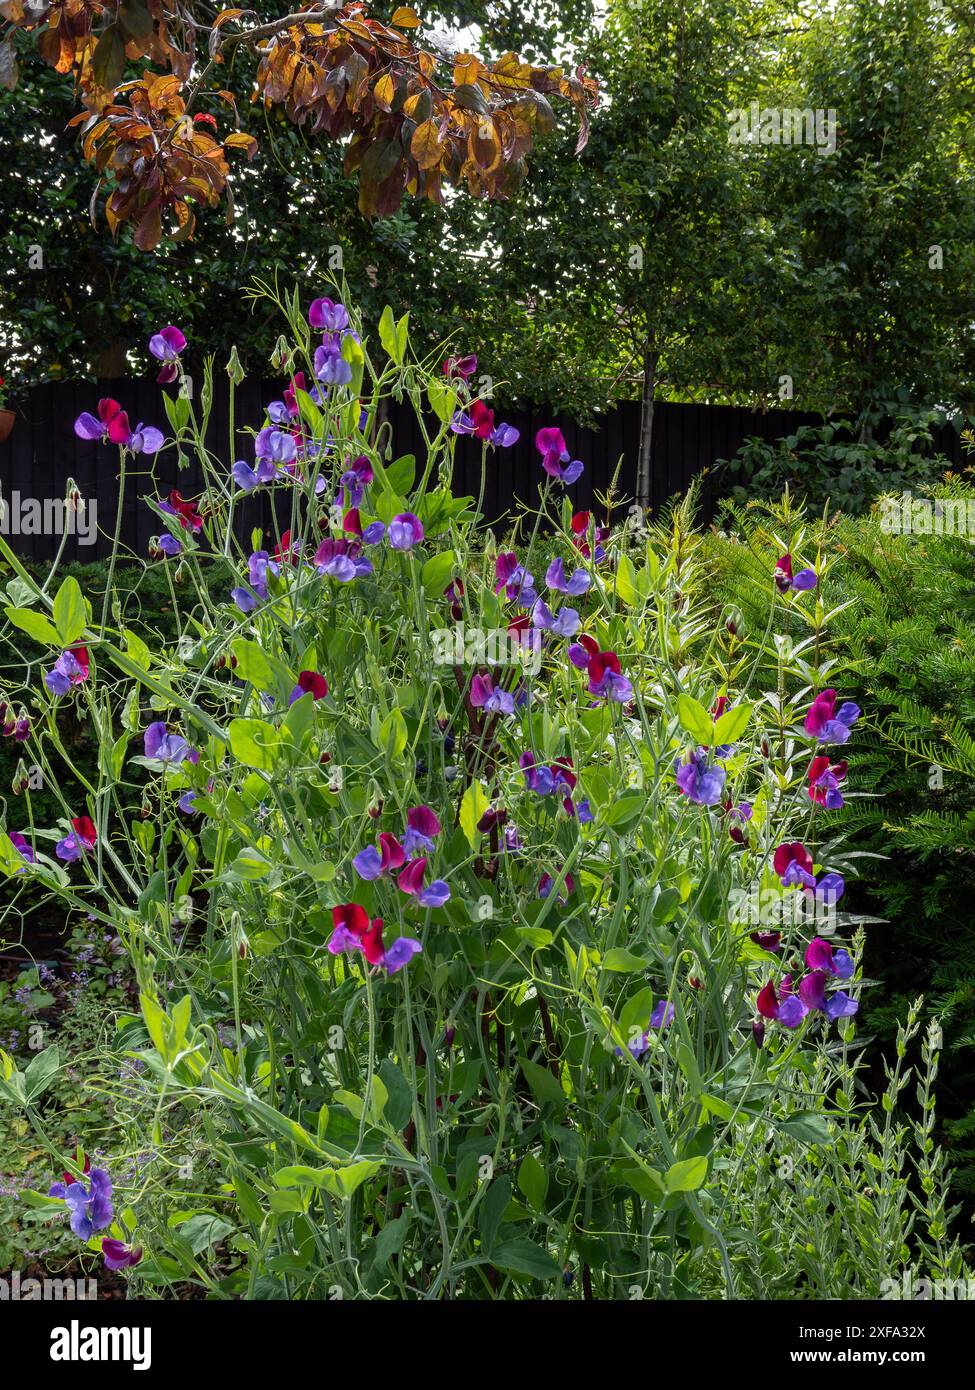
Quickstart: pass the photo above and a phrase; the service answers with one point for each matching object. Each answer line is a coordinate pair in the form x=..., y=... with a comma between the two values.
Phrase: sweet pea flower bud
x=324, y=759
x=448, y=1037
x=234, y=369
x=758, y=1033
x=376, y=811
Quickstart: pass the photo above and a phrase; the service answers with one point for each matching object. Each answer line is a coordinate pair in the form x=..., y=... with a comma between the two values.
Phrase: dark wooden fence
x=43, y=452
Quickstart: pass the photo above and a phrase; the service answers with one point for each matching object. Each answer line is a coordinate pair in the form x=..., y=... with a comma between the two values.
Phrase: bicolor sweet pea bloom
x=328, y=315
x=781, y=1006
x=119, y=1255
x=356, y=479
x=580, y=532
x=827, y=723
x=187, y=512
x=404, y=531
x=546, y=882
x=812, y=993
x=342, y=560
x=565, y=623
x=555, y=456
x=661, y=1018
x=90, y=1208
x=82, y=838
x=167, y=346
x=23, y=848
x=352, y=931
x=555, y=579
x=786, y=580
x=460, y=366
x=557, y=777
x=410, y=881
x=491, y=698
x=112, y=423
x=309, y=683
x=422, y=828
x=821, y=956
x=699, y=780
x=739, y=815
x=514, y=579
x=603, y=669
x=824, y=782
x=164, y=747
x=70, y=669
x=770, y=941
x=794, y=865
x=371, y=863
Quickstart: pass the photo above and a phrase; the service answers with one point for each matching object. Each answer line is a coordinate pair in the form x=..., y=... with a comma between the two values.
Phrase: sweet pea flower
x=661, y=1018
x=187, y=513
x=565, y=623
x=786, y=580
x=603, y=668
x=580, y=531
x=422, y=828
x=514, y=579
x=824, y=782
x=504, y=436
x=259, y=566
x=275, y=446
x=697, y=779
x=555, y=456
x=493, y=699
x=164, y=747
x=112, y=424
x=557, y=777
x=479, y=421
x=794, y=865
x=827, y=723
x=118, y=1255
x=23, y=848
x=352, y=931
x=404, y=531
x=546, y=882
x=249, y=478
x=812, y=993
x=341, y=559
x=167, y=346
x=770, y=941
x=70, y=669
x=371, y=863
x=820, y=956
x=460, y=366
x=410, y=881
x=82, y=838
x=781, y=1006
x=331, y=368
x=555, y=579
x=90, y=1208
x=328, y=315
x=309, y=683
x=356, y=479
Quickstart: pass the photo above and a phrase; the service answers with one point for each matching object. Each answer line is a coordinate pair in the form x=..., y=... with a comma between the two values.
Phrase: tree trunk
x=643, y=480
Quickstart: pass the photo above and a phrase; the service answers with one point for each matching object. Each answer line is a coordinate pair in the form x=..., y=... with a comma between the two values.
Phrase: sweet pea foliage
x=435, y=855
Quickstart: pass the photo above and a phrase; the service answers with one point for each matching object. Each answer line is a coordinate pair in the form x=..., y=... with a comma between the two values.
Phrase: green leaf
x=625, y=811
x=492, y=1211
x=11, y=860
x=732, y=724
x=808, y=1126
x=70, y=612
x=443, y=400
x=533, y=1181
x=392, y=734
x=545, y=1086
x=41, y=1072
x=390, y=1240
x=253, y=743
x=435, y=574
x=695, y=719
x=35, y=625
x=687, y=1175
x=472, y=807
x=525, y=1257
x=389, y=336
x=252, y=664
x=622, y=961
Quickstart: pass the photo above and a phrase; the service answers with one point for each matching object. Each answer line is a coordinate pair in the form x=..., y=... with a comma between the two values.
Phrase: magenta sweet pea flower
x=167, y=346
x=794, y=865
x=81, y=839
x=782, y=1006
x=786, y=580
x=118, y=1255
x=812, y=992
x=514, y=579
x=460, y=366
x=827, y=723
x=342, y=560
x=555, y=456
x=821, y=956
x=352, y=931
x=824, y=782
x=546, y=882
x=24, y=849
x=356, y=479
x=404, y=531
x=422, y=828
x=410, y=881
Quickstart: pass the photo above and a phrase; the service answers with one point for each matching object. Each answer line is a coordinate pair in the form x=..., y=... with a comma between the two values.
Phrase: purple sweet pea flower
x=555, y=579
x=504, y=436
x=112, y=423
x=494, y=699
x=422, y=827
x=404, y=531
x=341, y=560
x=169, y=545
x=70, y=669
x=167, y=346
x=249, y=478
x=565, y=623
x=356, y=479
x=164, y=747
x=118, y=1255
x=329, y=315
x=21, y=845
x=277, y=446
x=259, y=566
x=331, y=368
x=700, y=781
x=828, y=724
x=90, y=1208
